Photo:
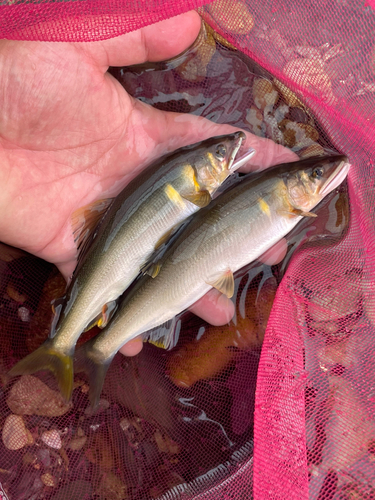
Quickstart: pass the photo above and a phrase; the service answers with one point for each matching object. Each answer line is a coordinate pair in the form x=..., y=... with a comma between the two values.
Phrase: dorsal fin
x=84, y=221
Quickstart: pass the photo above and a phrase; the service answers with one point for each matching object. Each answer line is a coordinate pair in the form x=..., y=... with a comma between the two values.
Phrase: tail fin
x=47, y=357
x=96, y=369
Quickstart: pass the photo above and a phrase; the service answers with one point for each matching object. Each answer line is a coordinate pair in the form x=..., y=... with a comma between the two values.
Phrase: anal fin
x=296, y=212
x=166, y=335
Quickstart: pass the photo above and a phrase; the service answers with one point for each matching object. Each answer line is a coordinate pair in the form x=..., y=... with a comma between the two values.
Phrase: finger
x=275, y=254
x=133, y=347
x=157, y=42
x=214, y=307
x=67, y=268
x=267, y=153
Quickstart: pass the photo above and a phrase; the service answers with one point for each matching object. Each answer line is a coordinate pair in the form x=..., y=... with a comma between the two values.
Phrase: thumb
x=157, y=42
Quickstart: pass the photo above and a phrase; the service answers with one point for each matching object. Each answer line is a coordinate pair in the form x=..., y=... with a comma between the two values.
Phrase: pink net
x=291, y=418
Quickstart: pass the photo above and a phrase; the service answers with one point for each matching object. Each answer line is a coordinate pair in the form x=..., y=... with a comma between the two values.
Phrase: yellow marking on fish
x=211, y=158
x=265, y=208
x=174, y=196
x=189, y=172
x=282, y=194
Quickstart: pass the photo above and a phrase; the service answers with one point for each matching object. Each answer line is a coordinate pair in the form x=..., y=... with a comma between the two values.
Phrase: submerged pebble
x=15, y=435
x=52, y=438
x=264, y=94
x=30, y=396
x=48, y=479
x=330, y=303
x=240, y=21
x=78, y=441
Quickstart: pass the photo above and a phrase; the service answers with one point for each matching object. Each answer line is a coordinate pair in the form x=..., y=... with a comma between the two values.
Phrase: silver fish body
x=236, y=229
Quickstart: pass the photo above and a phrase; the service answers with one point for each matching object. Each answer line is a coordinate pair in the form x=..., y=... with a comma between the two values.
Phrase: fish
x=236, y=229
x=115, y=247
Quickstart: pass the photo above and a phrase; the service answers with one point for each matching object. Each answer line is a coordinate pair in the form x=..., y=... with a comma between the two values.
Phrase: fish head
x=312, y=179
x=216, y=162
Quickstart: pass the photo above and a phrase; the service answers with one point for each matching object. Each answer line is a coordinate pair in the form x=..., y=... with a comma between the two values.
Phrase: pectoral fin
x=174, y=196
x=199, y=198
x=304, y=214
x=225, y=284
x=298, y=213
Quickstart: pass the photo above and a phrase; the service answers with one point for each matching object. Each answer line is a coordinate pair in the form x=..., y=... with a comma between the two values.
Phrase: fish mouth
x=336, y=178
x=237, y=144
x=243, y=159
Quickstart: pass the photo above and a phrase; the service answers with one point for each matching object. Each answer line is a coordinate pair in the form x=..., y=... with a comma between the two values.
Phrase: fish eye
x=220, y=152
x=317, y=173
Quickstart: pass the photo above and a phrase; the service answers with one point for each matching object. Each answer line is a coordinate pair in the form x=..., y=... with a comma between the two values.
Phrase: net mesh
x=287, y=413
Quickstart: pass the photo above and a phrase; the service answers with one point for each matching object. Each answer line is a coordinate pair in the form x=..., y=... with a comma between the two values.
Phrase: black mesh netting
x=240, y=411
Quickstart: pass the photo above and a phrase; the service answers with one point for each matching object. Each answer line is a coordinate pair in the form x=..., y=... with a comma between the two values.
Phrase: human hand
x=70, y=134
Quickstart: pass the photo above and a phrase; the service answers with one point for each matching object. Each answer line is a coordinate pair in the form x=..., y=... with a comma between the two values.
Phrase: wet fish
x=237, y=228
x=138, y=221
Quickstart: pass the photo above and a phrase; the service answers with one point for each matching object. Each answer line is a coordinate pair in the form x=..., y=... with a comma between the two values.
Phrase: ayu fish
x=135, y=224
x=237, y=228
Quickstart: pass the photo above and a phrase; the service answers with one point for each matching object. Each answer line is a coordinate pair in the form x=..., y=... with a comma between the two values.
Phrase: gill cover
x=312, y=180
